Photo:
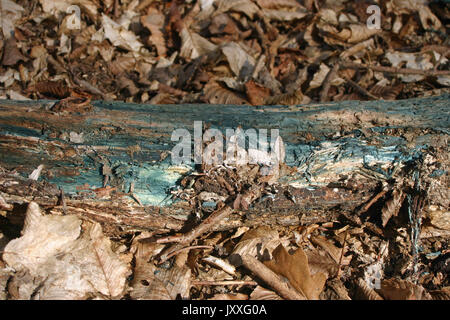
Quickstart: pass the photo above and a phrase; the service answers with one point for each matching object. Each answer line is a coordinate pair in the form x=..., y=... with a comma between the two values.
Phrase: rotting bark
x=339, y=150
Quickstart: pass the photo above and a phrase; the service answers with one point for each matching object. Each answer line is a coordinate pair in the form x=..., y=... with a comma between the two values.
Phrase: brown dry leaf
x=246, y=7
x=331, y=249
x=5, y=274
x=119, y=36
x=144, y=285
x=256, y=93
x=11, y=54
x=386, y=92
x=364, y=292
x=216, y=94
x=295, y=268
x=260, y=293
x=288, y=99
x=241, y=63
x=122, y=64
x=222, y=23
x=62, y=262
x=258, y=242
x=439, y=217
x=154, y=21
x=395, y=289
x=443, y=294
x=392, y=206
x=52, y=89
x=356, y=33
x=277, y=4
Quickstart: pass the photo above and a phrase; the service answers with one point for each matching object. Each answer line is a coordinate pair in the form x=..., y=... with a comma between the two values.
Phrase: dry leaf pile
x=221, y=51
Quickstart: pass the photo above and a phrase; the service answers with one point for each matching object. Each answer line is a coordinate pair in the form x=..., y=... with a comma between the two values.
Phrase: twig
x=342, y=254
x=188, y=249
x=224, y=283
x=429, y=72
x=362, y=90
x=373, y=200
x=284, y=289
x=215, y=218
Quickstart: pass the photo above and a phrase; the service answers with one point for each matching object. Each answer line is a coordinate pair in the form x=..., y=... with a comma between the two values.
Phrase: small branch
x=373, y=200
x=429, y=72
x=284, y=289
x=361, y=89
x=224, y=283
x=342, y=254
x=188, y=249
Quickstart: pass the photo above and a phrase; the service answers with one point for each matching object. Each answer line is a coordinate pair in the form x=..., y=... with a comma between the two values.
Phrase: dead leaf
x=392, y=206
x=11, y=54
x=395, y=289
x=216, y=94
x=260, y=293
x=10, y=12
x=256, y=93
x=63, y=262
x=295, y=268
x=154, y=21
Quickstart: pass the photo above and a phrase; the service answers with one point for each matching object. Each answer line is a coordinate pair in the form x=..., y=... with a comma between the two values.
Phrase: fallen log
x=111, y=162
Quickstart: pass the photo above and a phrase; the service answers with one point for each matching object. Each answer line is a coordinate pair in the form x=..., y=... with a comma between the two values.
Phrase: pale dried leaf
x=241, y=63
x=62, y=262
x=244, y=6
x=119, y=36
x=10, y=12
x=258, y=242
x=194, y=45
x=281, y=15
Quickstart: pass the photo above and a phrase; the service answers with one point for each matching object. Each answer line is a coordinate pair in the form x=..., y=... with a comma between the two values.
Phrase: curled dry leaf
x=395, y=289
x=257, y=242
x=241, y=63
x=256, y=93
x=296, y=269
x=246, y=7
x=364, y=292
x=356, y=33
x=216, y=94
x=119, y=36
x=62, y=262
x=154, y=21
x=392, y=206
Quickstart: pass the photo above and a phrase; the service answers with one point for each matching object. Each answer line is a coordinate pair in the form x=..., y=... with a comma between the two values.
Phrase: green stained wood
x=325, y=141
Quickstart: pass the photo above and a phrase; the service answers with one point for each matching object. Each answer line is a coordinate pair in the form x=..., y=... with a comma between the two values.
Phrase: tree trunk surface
x=341, y=156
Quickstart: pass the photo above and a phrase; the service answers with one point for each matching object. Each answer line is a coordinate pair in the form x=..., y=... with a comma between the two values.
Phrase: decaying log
x=343, y=154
